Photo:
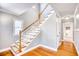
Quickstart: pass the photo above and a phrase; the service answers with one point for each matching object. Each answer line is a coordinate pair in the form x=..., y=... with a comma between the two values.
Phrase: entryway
x=67, y=31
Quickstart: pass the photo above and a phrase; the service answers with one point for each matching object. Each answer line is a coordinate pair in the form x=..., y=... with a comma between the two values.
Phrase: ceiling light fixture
x=67, y=18
x=34, y=7
x=77, y=16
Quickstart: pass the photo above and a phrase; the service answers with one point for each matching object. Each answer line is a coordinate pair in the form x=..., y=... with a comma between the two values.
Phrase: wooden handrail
x=29, y=26
x=20, y=32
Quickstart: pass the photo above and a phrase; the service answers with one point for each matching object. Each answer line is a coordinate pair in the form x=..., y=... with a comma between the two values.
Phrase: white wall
x=49, y=33
x=76, y=35
x=6, y=30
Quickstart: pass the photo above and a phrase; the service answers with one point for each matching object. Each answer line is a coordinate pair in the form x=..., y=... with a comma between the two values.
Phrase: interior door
x=68, y=31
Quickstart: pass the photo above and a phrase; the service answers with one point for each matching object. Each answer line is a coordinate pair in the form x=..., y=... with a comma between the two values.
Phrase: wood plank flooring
x=65, y=49
x=6, y=53
x=40, y=51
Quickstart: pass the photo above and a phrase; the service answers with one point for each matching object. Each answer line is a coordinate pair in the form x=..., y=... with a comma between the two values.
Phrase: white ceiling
x=16, y=8
x=64, y=9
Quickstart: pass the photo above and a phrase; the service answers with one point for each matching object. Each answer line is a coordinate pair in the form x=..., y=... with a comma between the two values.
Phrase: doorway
x=68, y=31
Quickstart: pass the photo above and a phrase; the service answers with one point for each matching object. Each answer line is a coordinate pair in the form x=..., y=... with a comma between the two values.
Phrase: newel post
x=20, y=45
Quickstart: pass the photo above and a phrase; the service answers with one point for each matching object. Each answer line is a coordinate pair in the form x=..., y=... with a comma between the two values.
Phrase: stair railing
x=21, y=31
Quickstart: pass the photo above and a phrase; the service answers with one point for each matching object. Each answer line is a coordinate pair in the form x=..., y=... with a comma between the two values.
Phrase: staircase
x=29, y=34
x=26, y=40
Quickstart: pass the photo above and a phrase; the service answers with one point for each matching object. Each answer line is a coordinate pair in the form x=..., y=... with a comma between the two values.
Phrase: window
x=17, y=26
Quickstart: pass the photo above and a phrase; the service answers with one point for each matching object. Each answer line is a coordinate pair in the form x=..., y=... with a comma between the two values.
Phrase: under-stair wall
x=49, y=32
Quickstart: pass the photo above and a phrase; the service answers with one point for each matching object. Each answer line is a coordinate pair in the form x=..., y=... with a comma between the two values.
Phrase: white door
x=68, y=31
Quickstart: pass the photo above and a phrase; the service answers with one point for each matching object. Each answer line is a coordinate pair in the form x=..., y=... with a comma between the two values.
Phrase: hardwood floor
x=40, y=51
x=65, y=49
x=6, y=53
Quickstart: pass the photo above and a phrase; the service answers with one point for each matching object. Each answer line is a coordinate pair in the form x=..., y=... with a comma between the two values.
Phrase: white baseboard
x=54, y=49
x=58, y=44
x=5, y=49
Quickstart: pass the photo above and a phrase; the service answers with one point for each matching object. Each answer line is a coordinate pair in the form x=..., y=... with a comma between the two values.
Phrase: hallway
x=65, y=49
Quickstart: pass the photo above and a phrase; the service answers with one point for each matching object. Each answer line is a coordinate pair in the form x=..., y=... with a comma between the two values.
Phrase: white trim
x=59, y=44
x=54, y=49
x=5, y=49
x=28, y=50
